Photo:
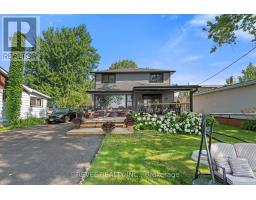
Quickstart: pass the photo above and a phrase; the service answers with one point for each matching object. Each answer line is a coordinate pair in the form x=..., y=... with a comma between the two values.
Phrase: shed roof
x=26, y=88
x=228, y=87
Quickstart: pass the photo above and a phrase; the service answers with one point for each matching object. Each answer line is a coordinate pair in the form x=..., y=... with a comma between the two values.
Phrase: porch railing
x=163, y=108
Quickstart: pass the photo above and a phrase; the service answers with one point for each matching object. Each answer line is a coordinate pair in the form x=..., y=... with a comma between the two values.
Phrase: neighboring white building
x=237, y=98
x=33, y=102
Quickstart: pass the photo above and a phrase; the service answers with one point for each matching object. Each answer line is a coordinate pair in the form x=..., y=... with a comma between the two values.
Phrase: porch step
x=98, y=122
x=98, y=125
x=98, y=131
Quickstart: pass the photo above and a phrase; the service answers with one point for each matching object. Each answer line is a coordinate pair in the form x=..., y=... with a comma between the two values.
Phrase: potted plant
x=129, y=122
x=108, y=127
x=77, y=122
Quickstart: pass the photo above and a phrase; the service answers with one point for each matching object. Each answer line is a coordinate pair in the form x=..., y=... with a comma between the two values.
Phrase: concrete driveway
x=45, y=155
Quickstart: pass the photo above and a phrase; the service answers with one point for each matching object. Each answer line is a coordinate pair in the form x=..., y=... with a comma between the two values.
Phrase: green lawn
x=148, y=157
x=4, y=129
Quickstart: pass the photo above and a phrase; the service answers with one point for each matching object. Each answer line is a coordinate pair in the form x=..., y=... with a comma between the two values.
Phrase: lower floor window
x=121, y=101
x=35, y=102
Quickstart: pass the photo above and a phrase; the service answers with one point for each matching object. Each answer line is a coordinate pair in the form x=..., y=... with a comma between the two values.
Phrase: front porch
x=150, y=99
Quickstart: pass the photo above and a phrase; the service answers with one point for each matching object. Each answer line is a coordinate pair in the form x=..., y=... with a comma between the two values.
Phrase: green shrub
x=30, y=121
x=249, y=125
x=210, y=120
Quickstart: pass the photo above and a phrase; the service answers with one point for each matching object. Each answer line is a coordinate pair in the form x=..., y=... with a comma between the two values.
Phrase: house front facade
x=140, y=89
x=33, y=102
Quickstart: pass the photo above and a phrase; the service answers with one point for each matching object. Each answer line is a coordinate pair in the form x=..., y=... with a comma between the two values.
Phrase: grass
x=148, y=157
x=24, y=123
x=4, y=129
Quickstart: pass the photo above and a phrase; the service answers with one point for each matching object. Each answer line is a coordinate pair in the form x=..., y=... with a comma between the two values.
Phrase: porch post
x=126, y=101
x=191, y=100
x=94, y=102
x=133, y=101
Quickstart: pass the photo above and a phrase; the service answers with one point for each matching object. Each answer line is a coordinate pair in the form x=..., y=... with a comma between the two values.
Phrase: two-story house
x=136, y=89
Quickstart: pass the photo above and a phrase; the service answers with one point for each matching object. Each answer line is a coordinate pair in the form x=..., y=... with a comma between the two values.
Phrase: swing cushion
x=220, y=151
x=236, y=180
x=222, y=162
x=240, y=167
x=248, y=151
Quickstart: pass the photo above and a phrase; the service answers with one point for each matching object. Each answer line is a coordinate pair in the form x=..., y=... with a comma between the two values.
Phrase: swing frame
x=207, y=132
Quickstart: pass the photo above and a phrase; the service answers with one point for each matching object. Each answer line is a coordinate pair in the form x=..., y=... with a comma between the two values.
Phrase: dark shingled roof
x=137, y=70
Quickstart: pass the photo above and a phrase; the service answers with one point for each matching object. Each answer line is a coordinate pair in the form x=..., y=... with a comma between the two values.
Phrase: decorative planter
x=130, y=128
x=77, y=122
x=129, y=121
x=108, y=127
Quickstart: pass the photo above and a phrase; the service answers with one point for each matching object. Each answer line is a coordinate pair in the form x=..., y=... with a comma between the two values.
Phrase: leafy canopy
x=15, y=79
x=123, y=64
x=247, y=74
x=224, y=29
x=63, y=72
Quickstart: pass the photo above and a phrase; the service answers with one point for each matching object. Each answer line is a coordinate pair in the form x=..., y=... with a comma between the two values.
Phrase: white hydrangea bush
x=188, y=122
x=145, y=121
x=168, y=123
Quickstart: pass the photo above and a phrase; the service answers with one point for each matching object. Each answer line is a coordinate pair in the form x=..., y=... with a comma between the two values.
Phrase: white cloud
x=201, y=20
x=191, y=58
x=194, y=23
x=220, y=63
x=243, y=35
x=175, y=40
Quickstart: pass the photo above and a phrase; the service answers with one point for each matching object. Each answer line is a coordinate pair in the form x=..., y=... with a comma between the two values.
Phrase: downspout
x=191, y=98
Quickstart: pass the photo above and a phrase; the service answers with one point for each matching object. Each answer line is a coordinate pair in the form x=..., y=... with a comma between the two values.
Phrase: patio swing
x=232, y=164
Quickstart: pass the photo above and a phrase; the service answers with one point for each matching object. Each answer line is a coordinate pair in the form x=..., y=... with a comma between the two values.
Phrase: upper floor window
x=156, y=78
x=108, y=78
x=36, y=102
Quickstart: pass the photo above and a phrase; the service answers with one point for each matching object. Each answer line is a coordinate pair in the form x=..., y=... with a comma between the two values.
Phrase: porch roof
x=167, y=87
x=131, y=70
x=107, y=91
x=146, y=88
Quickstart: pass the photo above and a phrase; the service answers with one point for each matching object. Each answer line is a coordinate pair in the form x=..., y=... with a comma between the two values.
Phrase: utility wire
x=217, y=73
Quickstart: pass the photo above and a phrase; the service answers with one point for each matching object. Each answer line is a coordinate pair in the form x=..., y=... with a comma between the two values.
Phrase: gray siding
x=126, y=81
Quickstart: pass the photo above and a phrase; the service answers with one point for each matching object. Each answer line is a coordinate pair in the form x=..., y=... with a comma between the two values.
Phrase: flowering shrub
x=168, y=123
x=145, y=121
x=188, y=122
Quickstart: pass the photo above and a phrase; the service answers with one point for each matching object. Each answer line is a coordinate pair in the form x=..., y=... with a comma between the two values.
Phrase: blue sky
x=174, y=42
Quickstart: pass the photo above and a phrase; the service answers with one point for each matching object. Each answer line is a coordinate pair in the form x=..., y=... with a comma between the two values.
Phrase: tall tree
x=223, y=30
x=230, y=80
x=248, y=74
x=15, y=79
x=66, y=59
x=123, y=64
